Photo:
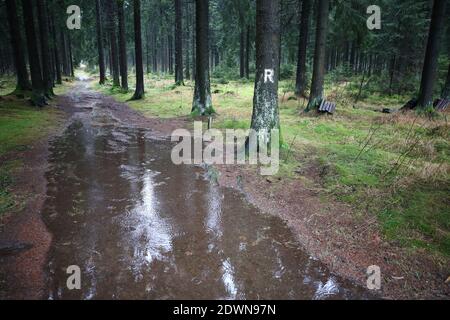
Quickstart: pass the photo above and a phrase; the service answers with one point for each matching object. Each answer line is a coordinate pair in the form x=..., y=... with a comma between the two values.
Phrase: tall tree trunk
x=247, y=53
x=217, y=56
x=265, y=101
x=101, y=52
x=147, y=49
x=370, y=66
x=38, y=96
x=319, y=55
x=392, y=65
x=241, y=41
x=347, y=54
x=113, y=43
x=194, y=55
x=170, y=52
x=56, y=58
x=23, y=82
x=110, y=59
x=45, y=48
x=353, y=56
x=52, y=44
x=139, y=94
x=155, y=50
x=122, y=46
x=446, y=91
x=3, y=58
x=300, y=86
x=429, y=72
x=163, y=53
x=71, y=66
x=64, y=62
x=202, y=103
x=188, y=39
x=179, y=43
x=333, y=59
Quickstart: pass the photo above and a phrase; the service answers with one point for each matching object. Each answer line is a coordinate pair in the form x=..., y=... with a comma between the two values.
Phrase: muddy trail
x=140, y=227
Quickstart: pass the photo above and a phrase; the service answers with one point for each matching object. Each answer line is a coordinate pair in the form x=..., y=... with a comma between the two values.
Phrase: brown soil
x=22, y=273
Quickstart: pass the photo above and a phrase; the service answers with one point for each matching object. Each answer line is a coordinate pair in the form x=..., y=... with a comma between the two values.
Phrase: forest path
x=140, y=227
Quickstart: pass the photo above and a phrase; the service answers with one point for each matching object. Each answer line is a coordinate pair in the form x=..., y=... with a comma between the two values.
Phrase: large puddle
x=140, y=227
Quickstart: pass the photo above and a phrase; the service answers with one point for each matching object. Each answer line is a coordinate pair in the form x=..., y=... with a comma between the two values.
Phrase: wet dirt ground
x=140, y=227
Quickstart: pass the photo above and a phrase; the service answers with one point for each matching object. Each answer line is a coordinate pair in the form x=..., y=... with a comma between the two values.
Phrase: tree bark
x=300, y=86
x=188, y=40
x=71, y=67
x=64, y=62
x=65, y=52
x=370, y=66
x=110, y=59
x=52, y=45
x=155, y=49
x=122, y=46
x=38, y=97
x=101, y=52
x=56, y=58
x=446, y=91
x=139, y=94
x=429, y=73
x=216, y=56
x=319, y=55
x=202, y=103
x=165, y=53
x=45, y=49
x=392, y=65
x=241, y=40
x=247, y=53
x=194, y=46
x=113, y=43
x=179, y=77
x=265, y=101
x=147, y=49
x=23, y=82
x=170, y=52
x=353, y=56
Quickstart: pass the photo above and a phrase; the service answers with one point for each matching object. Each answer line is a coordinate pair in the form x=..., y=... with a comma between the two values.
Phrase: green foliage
x=287, y=71
x=22, y=124
x=223, y=72
x=234, y=124
x=423, y=209
x=7, y=85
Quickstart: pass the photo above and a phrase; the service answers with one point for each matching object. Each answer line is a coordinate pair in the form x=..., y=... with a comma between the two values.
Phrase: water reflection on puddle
x=142, y=228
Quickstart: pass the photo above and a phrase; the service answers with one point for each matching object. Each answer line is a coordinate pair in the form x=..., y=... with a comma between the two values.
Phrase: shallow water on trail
x=140, y=227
